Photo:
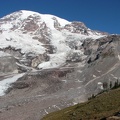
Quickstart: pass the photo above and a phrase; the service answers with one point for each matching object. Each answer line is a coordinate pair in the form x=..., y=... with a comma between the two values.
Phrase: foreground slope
x=101, y=107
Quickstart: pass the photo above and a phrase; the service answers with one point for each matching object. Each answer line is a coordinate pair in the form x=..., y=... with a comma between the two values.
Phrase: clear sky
x=103, y=15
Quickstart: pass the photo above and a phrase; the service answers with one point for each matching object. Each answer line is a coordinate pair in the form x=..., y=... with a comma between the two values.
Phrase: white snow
x=5, y=83
x=78, y=87
x=18, y=40
x=45, y=111
x=94, y=76
x=119, y=57
x=21, y=41
x=48, y=19
x=45, y=17
x=56, y=60
x=98, y=71
x=58, y=40
x=6, y=26
x=114, y=76
x=64, y=81
x=74, y=103
x=81, y=37
x=79, y=71
x=24, y=14
x=78, y=81
x=100, y=85
x=55, y=106
x=3, y=54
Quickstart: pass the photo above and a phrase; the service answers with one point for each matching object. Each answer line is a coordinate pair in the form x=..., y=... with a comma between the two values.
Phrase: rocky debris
x=12, y=51
x=62, y=73
x=8, y=64
x=88, y=46
x=29, y=24
x=39, y=59
x=46, y=80
x=56, y=23
x=102, y=62
x=75, y=57
x=39, y=92
x=113, y=118
x=20, y=85
x=101, y=48
x=77, y=27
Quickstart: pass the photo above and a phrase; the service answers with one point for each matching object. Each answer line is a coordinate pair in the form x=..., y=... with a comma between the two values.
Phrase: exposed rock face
x=102, y=62
x=39, y=59
x=8, y=64
x=12, y=51
x=77, y=27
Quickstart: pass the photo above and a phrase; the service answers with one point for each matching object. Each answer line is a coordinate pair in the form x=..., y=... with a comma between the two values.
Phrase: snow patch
x=100, y=85
x=45, y=111
x=94, y=76
x=64, y=81
x=56, y=60
x=3, y=54
x=119, y=57
x=5, y=83
x=21, y=41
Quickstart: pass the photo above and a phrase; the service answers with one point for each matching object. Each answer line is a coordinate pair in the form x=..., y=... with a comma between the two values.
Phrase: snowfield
x=3, y=54
x=5, y=83
x=18, y=40
x=56, y=60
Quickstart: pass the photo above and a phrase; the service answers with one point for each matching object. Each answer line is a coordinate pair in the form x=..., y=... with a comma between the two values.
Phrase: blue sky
x=103, y=15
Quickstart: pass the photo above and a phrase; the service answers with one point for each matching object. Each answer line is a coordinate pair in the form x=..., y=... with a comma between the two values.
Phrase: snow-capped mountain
x=48, y=63
x=42, y=40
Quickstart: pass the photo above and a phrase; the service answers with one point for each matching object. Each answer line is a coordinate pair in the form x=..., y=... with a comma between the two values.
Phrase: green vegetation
x=106, y=88
x=116, y=85
x=100, y=107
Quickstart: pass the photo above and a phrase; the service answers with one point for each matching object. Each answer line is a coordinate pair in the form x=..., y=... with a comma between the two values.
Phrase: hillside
x=102, y=107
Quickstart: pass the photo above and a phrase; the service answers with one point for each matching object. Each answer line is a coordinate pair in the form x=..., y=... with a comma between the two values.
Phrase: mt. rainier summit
x=42, y=40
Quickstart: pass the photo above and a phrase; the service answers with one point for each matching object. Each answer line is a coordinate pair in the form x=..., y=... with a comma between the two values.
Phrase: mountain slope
x=41, y=34
x=101, y=107
x=58, y=64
